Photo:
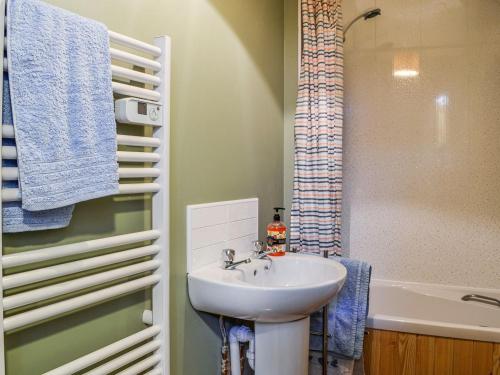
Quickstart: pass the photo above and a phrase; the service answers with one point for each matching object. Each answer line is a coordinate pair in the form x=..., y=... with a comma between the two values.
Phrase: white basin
x=295, y=286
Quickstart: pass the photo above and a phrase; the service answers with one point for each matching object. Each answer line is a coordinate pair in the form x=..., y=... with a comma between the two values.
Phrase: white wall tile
x=243, y=245
x=207, y=236
x=242, y=228
x=206, y=255
x=212, y=215
x=213, y=227
x=243, y=210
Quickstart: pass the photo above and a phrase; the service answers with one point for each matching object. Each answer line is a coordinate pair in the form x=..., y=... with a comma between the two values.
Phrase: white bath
x=434, y=310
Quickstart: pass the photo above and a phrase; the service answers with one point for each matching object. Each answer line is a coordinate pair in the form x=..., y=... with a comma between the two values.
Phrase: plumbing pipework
x=237, y=335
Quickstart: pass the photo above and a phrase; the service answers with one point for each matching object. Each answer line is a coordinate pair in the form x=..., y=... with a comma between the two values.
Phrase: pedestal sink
x=278, y=298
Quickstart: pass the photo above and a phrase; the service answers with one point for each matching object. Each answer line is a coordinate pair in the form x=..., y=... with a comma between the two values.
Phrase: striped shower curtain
x=317, y=189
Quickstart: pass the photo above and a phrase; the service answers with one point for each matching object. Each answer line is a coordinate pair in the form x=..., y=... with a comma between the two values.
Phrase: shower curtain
x=317, y=189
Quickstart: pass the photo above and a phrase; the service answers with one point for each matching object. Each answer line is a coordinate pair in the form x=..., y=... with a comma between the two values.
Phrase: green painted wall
x=226, y=143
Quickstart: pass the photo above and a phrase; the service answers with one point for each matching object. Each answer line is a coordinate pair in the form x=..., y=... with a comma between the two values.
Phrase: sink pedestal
x=282, y=348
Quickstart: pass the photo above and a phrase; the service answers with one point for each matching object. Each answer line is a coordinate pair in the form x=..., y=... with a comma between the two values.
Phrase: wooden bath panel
x=399, y=353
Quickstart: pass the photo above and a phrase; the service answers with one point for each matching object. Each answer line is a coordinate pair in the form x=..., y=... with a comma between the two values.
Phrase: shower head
x=371, y=13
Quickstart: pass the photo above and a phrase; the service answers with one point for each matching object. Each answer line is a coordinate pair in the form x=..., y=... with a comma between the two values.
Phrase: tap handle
x=259, y=246
x=228, y=255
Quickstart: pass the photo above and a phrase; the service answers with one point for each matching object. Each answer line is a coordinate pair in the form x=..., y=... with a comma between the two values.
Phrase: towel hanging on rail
x=62, y=104
x=14, y=218
x=347, y=312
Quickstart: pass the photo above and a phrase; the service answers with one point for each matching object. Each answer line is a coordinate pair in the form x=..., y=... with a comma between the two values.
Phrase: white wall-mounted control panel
x=138, y=111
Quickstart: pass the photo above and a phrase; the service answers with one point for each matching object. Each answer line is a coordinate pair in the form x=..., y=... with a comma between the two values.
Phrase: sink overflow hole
x=254, y=272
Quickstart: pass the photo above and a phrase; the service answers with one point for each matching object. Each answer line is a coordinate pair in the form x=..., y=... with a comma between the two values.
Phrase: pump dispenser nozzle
x=276, y=216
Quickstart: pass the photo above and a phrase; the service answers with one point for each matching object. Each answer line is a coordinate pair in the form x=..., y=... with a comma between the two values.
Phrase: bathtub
x=434, y=310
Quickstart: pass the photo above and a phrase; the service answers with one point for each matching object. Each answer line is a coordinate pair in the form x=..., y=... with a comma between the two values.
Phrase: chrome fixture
x=228, y=262
x=366, y=16
x=260, y=253
x=481, y=299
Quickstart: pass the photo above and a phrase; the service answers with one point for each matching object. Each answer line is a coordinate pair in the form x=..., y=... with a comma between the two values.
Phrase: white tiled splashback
x=212, y=227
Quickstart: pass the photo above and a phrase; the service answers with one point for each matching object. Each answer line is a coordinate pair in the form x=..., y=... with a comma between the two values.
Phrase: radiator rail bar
x=41, y=255
x=51, y=291
x=56, y=309
x=126, y=358
x=46, y=273
x=14, y=195
x=105, y=352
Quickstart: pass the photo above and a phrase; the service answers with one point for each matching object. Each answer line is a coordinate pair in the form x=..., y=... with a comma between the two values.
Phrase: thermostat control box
x=138, y=111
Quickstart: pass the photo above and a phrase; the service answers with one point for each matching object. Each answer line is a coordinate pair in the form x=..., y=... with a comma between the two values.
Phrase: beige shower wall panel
x=422, y=154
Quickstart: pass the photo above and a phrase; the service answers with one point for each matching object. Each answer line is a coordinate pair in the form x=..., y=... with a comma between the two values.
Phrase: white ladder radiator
x=147, y=350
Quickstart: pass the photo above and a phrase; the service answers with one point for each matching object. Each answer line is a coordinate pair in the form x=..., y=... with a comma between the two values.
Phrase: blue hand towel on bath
x=14, y=218
x=347, y=312
x=62, y=105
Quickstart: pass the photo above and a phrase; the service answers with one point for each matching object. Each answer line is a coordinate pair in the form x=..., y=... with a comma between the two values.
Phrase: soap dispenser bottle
x=276, y=235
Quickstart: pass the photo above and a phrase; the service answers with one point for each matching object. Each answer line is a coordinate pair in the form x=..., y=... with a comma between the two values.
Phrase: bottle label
x=276, y=241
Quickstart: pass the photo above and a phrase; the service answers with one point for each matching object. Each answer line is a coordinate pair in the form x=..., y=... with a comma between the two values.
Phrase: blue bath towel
x=14, y=218
x=62, y=102
x=347, y=312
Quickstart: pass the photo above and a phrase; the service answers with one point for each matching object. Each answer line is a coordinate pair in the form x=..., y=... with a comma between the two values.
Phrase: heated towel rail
x=146, y=350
